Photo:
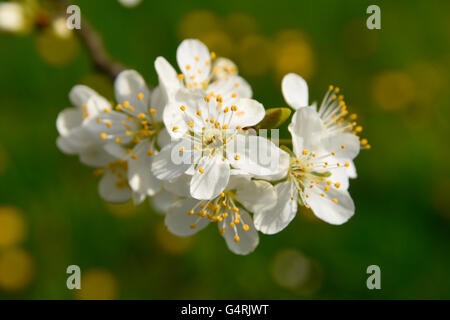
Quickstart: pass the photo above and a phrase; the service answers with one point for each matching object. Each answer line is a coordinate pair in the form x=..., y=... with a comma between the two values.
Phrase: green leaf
x=274, y=118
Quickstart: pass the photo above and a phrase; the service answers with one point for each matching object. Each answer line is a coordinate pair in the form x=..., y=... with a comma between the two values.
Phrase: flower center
x=223, y=211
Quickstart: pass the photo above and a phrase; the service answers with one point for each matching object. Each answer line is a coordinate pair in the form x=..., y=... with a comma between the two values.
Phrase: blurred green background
x=396, y=79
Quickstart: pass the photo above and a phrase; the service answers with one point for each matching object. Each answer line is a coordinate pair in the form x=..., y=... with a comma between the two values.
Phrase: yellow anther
x=118, y=107
x=188, y=67
x=353, y=116
x=222, y=195
x=233, y=108
x=322, y=194
x=103, y=135
x=174, y=129
x=201, y=170
x=305, y=152
x=337, y=184
x=359, y=129
x=343, y=146
x=237, y=239
x=126, y=104
x=238, y=127
x=231, y=225
x=245, y=227
x=182, y=108
x=234, y=95
x=330, y=87
x=236, y=209
x=364, y=142
x=181, y=149
x=191, y=212
x=199, y=112
x=326, y=188
x=106, y=110
x=224, y=126
x=225, y=214
x=213, y=55
x=152, y=111
x=140, y=96
x=292, y=198
x=225, y=110
x=222, y=230
x=207, y=99
x=335, y=200
x=347, y=164
x=237, y=157
x=333, y=153
x=191, y=124
x=197, y=58
x=99, y=120
x=131, y=108
x=181, y=76
x=192, y=226
x=134, y=156
x=141, y=116
x=118, y=140
x=109, y=124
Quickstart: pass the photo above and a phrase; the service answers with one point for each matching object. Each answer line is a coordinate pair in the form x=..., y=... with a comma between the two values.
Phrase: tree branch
x=100, y=58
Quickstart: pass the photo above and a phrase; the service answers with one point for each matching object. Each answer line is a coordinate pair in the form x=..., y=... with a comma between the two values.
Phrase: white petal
x=256, y=195
x=248, y=240
x=65, y=146
x=180, y=186
x=162, y=201
x=254, y=155
x=179, y=221
x=306, y=129
x=213, y=180
x=295, y=90
x=163, y=138
x=110, y=192
x=224, y=68
x=68, y=119
x=167, y=75
x=80, y=94
x=158, y=101
x=128, y=85
x=346, y=145
x=231, y=89
x=168, y=164
x=327, y=210
x=274, y=220
x=249, y=113
x=194, y=61
x=140, y=177
x=95, y=156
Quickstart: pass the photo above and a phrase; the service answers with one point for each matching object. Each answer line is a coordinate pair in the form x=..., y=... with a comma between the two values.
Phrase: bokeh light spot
x=16, y=269
x=97, y=284
x=198, y=22
x=392, y=90
x=293, y=53
x=290, y=269
x=255, y=55
x=56, y=50
x=171, y=243
x=12, y=226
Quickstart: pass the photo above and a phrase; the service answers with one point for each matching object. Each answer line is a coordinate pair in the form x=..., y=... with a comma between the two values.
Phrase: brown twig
x=93, y=43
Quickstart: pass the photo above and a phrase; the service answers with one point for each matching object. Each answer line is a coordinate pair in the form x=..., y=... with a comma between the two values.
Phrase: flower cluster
x=190, y=145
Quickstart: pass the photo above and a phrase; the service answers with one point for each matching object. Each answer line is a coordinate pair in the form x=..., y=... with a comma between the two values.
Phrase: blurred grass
x=401, y=195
